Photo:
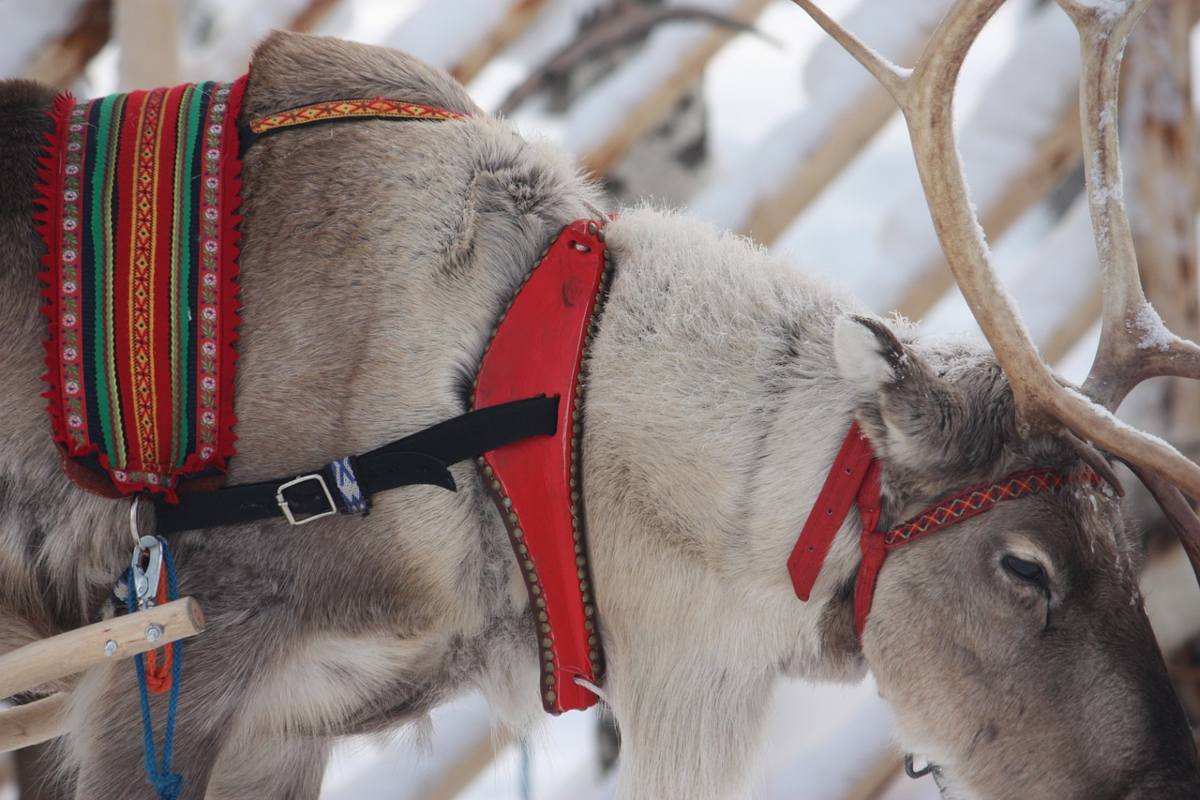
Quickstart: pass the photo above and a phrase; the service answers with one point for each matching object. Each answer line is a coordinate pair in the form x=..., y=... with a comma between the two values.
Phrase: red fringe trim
x=47, y=216
x=231, y=223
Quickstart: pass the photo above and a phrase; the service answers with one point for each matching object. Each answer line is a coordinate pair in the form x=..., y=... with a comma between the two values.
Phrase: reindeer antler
x=1134, y=344
x=616, y=30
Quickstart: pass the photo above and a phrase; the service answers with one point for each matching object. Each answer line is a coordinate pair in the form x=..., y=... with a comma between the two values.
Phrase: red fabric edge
x=231, y=233
x=47, y=216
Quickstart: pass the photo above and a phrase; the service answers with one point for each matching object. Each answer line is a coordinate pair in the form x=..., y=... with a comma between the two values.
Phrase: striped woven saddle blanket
x=139, y=211
x=139, y=197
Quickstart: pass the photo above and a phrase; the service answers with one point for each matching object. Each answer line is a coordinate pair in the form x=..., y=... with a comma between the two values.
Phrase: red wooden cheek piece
x=538, y=350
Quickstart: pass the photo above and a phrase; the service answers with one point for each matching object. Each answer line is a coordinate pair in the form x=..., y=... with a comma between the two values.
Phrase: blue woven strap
x=353, y=499
x=166, y=783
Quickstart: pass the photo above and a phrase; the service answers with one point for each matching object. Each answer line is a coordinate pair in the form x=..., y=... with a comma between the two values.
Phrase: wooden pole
x=62, y=61
x=50, y=659
x=847, y=136
x=33, y=723
x=519, y=16
x=312, y=15
x=470, y=764
x=147, y=34
x=1159, y=132
x=655, y=106
x=1053, y=158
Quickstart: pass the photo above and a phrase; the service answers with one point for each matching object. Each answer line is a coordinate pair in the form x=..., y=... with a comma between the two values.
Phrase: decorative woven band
x=353, y=498
x=977, y=499
x=369, y=108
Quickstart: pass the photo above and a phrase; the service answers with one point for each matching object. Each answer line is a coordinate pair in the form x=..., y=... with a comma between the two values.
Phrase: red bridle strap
x=855, y=476
x=847, y=475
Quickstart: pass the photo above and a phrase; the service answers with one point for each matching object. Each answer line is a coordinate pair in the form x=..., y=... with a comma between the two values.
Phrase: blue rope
x=168, y=784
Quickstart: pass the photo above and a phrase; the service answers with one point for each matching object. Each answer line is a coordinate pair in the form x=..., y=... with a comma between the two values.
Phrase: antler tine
x=926, y=97
x=893, y=78
x=1134, y=344
x=1177, y=511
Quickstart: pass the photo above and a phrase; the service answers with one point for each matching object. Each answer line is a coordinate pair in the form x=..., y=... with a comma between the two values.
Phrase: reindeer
x=376, y=258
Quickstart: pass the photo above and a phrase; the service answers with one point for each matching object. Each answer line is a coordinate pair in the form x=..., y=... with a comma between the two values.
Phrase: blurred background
x=741, y=112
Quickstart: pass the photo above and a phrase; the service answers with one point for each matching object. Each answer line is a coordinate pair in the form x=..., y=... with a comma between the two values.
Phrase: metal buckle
x=287, y=509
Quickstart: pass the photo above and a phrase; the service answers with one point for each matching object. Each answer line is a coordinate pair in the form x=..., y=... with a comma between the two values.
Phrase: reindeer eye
x=1029, y=571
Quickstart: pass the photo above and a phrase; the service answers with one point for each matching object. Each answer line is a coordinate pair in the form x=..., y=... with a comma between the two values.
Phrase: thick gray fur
x=376, y=258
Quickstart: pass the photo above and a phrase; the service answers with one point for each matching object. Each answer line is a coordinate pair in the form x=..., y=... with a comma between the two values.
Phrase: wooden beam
x=1158, y=131
x=655, y=106
x=848, y=135
x=514, y=22
x=33, y=723
x=1053, y=159
x=309, y=18
x=147, y=37
x=50, y=659
x=63, y=60
x=459, y=775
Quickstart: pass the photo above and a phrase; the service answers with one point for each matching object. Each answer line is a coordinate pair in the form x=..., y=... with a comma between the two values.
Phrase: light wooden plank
x=514, y=22
x=771, y=215
x=1051, y=161
x=459, y=775
x=147, y=37
x=62, y=61
x=657, y=104
x=33, y=723
x=75, y=651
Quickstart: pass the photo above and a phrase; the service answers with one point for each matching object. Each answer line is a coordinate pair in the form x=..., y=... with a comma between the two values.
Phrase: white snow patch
x=835, y=84
x=602, y=110
x=443, y=38
x=1152, y=333
x=1020, y=106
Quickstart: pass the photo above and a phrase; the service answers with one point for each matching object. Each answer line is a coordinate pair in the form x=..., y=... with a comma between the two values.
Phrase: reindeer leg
x=109, y=744
x=269, y=767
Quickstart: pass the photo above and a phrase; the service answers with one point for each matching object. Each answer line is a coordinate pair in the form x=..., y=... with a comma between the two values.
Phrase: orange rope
x=158, y=671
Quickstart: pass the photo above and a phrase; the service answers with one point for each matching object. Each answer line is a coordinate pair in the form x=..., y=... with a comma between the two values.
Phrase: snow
x=1153, y=333
x=1048, y=283
x=599, y=113
x=835, y=84
x=550, y=30
x=235, y=28
x=1108, y=11
x=28, y=27
x=839, y=237
x=443, y=39
x=1020, y=106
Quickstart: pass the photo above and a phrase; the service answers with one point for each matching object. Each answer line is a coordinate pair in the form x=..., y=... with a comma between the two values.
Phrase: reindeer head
x=1013, y=646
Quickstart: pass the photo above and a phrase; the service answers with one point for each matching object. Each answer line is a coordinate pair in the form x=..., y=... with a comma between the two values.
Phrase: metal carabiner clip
x=145, y=579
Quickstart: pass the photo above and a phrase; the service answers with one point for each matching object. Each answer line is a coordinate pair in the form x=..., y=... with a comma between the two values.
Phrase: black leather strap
x=421, y=458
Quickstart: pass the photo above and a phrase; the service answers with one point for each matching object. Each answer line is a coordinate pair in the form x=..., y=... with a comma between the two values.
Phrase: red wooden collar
x=538, y=348
x=854, y=478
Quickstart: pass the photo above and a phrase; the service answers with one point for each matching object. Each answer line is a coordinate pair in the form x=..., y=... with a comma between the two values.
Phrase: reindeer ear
x=868, y=354
x=914, y=418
